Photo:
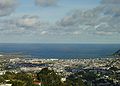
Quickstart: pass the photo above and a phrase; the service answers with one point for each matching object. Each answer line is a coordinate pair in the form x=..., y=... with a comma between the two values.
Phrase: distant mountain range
x=117, y=53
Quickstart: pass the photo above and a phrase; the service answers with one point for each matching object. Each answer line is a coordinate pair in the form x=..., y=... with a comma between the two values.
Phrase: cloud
x=7, y=7
x=110, y=22
x=44, y=32
x=111, y=7
x=8, y=27
x=46, y=3
x=25, y=25
x=102, y=20
x=79, y=17
x=27, y=21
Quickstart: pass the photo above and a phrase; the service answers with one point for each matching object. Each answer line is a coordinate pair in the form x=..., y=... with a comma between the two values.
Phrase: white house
x=5, y=84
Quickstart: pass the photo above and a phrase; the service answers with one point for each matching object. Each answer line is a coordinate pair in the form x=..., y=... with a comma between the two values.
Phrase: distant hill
x=117, y=53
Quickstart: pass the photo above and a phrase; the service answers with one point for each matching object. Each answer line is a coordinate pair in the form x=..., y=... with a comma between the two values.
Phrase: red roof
x=37, y=83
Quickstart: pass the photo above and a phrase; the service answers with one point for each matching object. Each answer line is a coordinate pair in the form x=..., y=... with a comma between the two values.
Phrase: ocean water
x=61, y=50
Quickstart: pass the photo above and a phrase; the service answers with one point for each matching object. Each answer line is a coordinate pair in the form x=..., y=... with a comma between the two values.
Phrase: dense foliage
x=49, y=78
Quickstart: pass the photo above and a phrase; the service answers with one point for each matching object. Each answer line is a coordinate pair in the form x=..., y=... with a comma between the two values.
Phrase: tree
x=17, y=83
x=25, y=78
x=72, y=80
x=1, y=79
x=49, y=77
x=114, y=68
x=9, y=75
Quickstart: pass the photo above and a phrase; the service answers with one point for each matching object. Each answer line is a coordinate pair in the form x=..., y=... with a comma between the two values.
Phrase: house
x=63, y=79
x=2, y=72
x=5, y=84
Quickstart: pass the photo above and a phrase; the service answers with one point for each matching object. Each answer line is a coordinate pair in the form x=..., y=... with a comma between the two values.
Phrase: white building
x=5, y=84
x=2, y=72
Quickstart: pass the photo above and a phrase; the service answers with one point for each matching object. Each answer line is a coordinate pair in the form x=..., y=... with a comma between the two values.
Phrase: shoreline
x=17, y=54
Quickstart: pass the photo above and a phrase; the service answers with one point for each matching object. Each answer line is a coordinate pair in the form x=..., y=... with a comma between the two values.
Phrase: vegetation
x=19, y=79
x=49, y=78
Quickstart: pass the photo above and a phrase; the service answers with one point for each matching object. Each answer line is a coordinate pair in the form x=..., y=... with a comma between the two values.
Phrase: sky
x=59, y=21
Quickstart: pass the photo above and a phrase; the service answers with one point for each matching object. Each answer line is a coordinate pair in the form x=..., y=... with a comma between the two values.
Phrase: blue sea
x=61, y=50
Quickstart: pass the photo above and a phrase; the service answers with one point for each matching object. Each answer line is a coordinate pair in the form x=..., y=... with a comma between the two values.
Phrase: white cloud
x=27, y=21
x=92, y=21
x=7, y=7
x=110, y=7
x=25, y=25
x=102, y=20
x=44, y=32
